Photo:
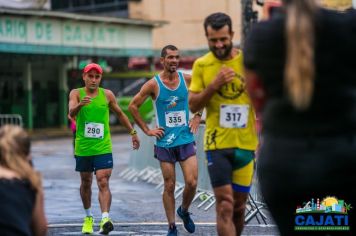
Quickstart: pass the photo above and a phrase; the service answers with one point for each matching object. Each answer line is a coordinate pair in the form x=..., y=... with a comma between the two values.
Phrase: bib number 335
x=94, y=130
x=175, y=118
x=234, y=116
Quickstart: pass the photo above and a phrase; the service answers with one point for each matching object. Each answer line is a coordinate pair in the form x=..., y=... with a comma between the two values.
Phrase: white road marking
x=152, y=224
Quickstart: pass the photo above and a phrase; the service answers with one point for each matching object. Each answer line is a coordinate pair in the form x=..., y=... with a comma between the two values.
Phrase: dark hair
x=217, y=21
x=170, y=47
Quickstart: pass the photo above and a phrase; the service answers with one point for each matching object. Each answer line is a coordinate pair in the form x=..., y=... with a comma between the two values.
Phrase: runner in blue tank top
x=174, y=133
x=173, y=115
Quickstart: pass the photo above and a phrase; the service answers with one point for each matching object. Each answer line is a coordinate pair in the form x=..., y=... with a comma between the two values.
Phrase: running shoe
x=88, y=225
x=188, y=223
x=172, y=231
x=106, y=226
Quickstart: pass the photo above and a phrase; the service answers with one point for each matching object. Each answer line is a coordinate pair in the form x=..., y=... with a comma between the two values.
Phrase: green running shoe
x=88, y=225
x=106, y=226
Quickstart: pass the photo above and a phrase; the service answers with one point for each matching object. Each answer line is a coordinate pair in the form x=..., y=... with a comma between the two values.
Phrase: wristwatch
x=133, y=132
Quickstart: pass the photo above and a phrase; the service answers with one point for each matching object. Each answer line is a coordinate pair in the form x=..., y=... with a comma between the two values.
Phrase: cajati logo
x=329, y=214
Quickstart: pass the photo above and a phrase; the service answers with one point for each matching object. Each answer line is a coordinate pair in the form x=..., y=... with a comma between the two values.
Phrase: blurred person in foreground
x=174, y=133
x=300, y=74
x=90, y=106
x=230, y=137
x=21, y=192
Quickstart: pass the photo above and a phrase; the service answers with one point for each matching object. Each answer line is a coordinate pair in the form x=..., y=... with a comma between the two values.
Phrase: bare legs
x=230, y=210
x=102, y=178
x=190, y=172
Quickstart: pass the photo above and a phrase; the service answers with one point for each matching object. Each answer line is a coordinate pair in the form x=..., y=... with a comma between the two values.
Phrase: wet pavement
x=136, y=206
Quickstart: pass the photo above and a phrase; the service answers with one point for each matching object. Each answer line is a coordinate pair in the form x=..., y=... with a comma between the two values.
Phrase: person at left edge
x=93, y=148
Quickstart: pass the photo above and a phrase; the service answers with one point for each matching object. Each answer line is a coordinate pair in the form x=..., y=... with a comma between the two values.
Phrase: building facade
x=185, y=20
x=39, y=50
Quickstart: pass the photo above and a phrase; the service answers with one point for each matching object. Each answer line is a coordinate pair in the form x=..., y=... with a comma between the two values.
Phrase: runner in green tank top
x=93, y=149
x=93, y=134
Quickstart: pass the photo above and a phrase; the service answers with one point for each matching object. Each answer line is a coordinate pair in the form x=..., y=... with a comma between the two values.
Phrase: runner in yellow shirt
x=230, y=137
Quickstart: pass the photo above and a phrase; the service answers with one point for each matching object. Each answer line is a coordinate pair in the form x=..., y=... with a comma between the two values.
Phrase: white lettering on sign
x=42, y=31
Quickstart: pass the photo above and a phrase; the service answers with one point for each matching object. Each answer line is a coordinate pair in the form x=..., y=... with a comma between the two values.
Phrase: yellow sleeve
x=196, y=84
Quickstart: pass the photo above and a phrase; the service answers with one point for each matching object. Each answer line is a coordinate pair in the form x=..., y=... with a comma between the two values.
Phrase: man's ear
x=232, y=33
x=161, y=60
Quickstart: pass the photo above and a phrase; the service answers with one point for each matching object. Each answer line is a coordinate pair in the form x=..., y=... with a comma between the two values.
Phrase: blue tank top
x=171, y=106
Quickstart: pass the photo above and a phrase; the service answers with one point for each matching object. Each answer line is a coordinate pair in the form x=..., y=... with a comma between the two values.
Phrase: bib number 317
x=94, y=130
x=234, y=116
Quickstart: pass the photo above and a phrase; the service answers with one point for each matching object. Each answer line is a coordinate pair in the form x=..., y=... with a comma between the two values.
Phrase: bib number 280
x=94, y=130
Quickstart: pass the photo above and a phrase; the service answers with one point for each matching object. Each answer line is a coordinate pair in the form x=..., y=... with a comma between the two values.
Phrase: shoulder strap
x=181, y=76
x=81, y=93
x=158, y=80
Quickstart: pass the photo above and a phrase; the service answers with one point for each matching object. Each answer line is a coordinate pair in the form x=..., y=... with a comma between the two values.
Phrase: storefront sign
x=35, y=31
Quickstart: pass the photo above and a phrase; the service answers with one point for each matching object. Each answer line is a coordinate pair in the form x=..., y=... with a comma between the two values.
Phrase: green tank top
x=93, y=132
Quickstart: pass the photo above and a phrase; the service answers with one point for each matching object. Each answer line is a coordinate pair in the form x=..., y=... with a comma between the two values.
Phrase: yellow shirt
x=230, y=119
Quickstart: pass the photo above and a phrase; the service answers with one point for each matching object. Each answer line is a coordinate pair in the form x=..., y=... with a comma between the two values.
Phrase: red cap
x=93, y=66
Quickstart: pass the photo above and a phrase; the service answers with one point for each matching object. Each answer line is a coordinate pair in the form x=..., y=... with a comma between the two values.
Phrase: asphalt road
x=136, y=206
